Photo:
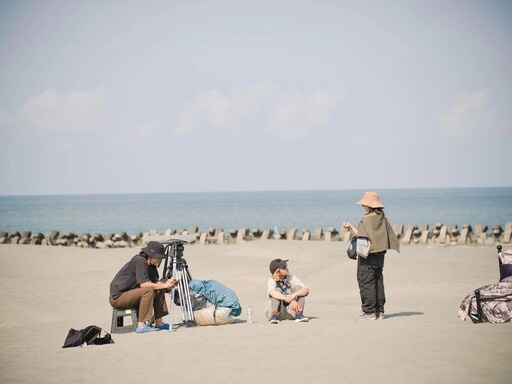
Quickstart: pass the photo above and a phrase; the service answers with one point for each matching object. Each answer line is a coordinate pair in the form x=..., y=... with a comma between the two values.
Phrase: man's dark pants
x=371, y=282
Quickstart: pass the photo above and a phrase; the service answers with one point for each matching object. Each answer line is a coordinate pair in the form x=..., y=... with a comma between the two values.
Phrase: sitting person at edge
x=287, y=294
x=136, y=285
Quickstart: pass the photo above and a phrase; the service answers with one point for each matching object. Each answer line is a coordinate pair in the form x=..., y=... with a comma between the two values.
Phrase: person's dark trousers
x=371, y=282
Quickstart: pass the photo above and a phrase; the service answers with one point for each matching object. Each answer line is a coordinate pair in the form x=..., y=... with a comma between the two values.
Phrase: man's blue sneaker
x=163, y=327
x=300, y=318
x=146, y=328
x=274, y=320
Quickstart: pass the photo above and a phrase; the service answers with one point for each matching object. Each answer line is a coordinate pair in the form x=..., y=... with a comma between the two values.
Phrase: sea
x=131, y=213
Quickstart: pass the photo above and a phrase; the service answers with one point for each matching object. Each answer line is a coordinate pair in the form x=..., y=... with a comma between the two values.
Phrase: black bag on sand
x=90, y=335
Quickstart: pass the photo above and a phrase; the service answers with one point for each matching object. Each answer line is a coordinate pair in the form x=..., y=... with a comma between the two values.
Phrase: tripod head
x=184, y=239
x=174, y=247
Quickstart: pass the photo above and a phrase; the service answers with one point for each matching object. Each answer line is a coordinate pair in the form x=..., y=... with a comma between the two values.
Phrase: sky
x=201, y=96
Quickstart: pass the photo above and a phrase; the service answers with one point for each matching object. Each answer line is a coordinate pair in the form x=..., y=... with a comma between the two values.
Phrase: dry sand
x=48, y=290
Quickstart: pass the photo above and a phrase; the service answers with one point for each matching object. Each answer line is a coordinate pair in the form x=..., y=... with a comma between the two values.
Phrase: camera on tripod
x=178, y=248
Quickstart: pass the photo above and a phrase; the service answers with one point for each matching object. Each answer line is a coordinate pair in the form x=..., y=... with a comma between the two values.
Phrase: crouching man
x=136, y=285
x=287, y=294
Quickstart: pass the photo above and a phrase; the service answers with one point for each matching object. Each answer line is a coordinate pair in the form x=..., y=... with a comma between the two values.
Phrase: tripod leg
x=180, y=273
x=188, y=301
x=183, y=297
x=171, y=324
x=173, y=293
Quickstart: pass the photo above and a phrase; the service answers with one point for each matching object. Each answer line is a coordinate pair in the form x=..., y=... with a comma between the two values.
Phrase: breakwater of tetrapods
x=422, y=234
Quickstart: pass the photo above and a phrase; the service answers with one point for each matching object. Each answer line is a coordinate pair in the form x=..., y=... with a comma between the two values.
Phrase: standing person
x=136, y=285
x=376, y=227
x=286, y=294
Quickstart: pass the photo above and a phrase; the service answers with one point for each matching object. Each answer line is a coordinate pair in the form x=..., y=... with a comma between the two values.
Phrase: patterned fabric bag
x=505, y=263
x=489, y=304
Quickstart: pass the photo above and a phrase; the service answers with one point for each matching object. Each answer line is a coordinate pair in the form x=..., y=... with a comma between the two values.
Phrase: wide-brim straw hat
x=371, y=199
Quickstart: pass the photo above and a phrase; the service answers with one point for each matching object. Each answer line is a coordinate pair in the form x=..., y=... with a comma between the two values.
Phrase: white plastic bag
x=212, y=315
x=363, y=246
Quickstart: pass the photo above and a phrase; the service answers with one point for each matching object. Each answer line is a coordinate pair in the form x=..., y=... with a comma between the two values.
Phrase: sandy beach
x=48, y=290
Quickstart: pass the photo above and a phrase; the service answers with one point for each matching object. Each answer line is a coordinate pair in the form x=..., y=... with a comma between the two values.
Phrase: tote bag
x=359, y=246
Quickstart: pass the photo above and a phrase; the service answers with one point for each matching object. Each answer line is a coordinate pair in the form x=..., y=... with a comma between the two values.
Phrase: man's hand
x=171, y=283
x=289, y=298
x=295, y=306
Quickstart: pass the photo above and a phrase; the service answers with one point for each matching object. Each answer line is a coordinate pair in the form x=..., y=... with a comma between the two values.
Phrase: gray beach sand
x=48, y=290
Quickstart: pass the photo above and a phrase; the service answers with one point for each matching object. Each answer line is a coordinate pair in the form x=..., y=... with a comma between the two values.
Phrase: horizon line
x=248, y=191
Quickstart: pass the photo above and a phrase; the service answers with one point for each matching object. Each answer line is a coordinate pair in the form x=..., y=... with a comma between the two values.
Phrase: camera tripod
x=176, y=266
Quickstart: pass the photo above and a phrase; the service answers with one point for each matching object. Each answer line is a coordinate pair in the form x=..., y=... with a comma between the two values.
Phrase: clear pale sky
x=177, y=96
